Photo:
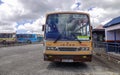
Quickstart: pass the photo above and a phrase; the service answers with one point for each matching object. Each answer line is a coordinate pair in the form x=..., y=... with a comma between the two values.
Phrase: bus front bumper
x=68, y=58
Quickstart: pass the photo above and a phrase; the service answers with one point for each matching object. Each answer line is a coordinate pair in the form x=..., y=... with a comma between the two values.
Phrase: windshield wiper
x=73, y=34
x=57, y=38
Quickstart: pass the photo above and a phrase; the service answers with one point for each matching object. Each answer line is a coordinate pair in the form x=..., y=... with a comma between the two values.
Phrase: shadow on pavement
x=67, y=66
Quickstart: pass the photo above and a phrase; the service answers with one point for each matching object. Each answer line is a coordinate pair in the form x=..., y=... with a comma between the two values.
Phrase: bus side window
x=21, y=36
x=30, y=36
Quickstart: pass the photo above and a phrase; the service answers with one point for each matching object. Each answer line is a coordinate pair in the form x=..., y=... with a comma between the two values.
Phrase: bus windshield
x=70, y=27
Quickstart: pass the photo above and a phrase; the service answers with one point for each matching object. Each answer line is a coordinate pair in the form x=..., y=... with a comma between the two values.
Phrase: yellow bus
x=68, y=37
x=7, y=38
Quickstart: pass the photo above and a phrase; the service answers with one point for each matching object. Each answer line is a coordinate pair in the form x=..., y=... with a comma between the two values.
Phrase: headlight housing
x=51, y=48
x=83, y=49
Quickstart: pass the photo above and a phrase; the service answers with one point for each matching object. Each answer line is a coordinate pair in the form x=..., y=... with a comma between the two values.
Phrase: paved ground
x=28, y=60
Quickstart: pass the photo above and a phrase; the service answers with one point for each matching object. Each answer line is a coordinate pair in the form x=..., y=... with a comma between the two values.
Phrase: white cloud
x=29, y=32
x=11, y=10
x=103, y=10
x=36, y=26
x=14, y=11
x=106, y=21
x=21, y=27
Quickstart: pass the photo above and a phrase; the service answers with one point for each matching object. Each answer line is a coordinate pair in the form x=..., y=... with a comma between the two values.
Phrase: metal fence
x=113, y=47
x=107, y=47
x=110, y=51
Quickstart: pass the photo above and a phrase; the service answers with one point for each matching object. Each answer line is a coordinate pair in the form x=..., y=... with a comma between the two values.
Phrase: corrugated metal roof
x=99, y=27
x=114, y=21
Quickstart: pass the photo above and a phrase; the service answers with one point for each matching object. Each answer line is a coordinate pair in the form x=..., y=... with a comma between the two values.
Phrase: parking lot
x=28, y=60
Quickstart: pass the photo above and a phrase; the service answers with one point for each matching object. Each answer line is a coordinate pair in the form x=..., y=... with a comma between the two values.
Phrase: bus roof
x=7, y=33
x=25, y=34
x=67, y=12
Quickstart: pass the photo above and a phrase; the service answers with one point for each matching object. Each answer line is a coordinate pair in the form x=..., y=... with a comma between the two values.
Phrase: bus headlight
x=51, y=48
x=83, y=49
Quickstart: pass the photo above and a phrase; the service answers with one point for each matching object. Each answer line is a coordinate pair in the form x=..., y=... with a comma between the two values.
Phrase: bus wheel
x=4, y=42
x=29, y=42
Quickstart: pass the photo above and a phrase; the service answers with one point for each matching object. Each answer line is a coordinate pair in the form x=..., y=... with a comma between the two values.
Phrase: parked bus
x=7, y=38
x=40, y=37
x=67, y=37
x=27, y=38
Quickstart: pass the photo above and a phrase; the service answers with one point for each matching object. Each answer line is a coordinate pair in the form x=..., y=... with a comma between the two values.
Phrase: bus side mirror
x=89, y=37
x=43, y=27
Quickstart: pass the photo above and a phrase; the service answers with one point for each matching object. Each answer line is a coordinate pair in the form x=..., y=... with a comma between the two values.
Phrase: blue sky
x=28, y=17
x=1, y=2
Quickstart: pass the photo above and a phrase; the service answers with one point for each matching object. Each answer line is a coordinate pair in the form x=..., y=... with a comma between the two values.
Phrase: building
x=98, y=34
x=112, y=35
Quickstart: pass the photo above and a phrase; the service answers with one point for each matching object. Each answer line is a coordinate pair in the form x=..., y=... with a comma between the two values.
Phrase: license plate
x=67, y=60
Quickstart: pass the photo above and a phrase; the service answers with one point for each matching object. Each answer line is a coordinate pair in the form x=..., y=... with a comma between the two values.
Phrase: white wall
x=109, y=32
x=118, y=35
x=115, y=27
x=109, y=35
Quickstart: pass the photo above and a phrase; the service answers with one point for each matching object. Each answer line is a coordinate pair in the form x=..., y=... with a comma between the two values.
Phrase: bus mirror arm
x=91, y=27
x=76, y=37
x=43, y=27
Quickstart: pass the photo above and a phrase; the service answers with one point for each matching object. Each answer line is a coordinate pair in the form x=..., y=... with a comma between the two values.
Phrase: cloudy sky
x=28, y=16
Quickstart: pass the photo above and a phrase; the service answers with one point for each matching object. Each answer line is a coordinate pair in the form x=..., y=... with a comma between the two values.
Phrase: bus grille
x=67, y=57
x=67, y=49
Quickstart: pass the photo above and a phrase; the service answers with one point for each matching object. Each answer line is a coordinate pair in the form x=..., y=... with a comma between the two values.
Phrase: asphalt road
x=28, y=60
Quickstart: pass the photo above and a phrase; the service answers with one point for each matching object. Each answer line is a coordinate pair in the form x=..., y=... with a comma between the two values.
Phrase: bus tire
x=4, y=42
